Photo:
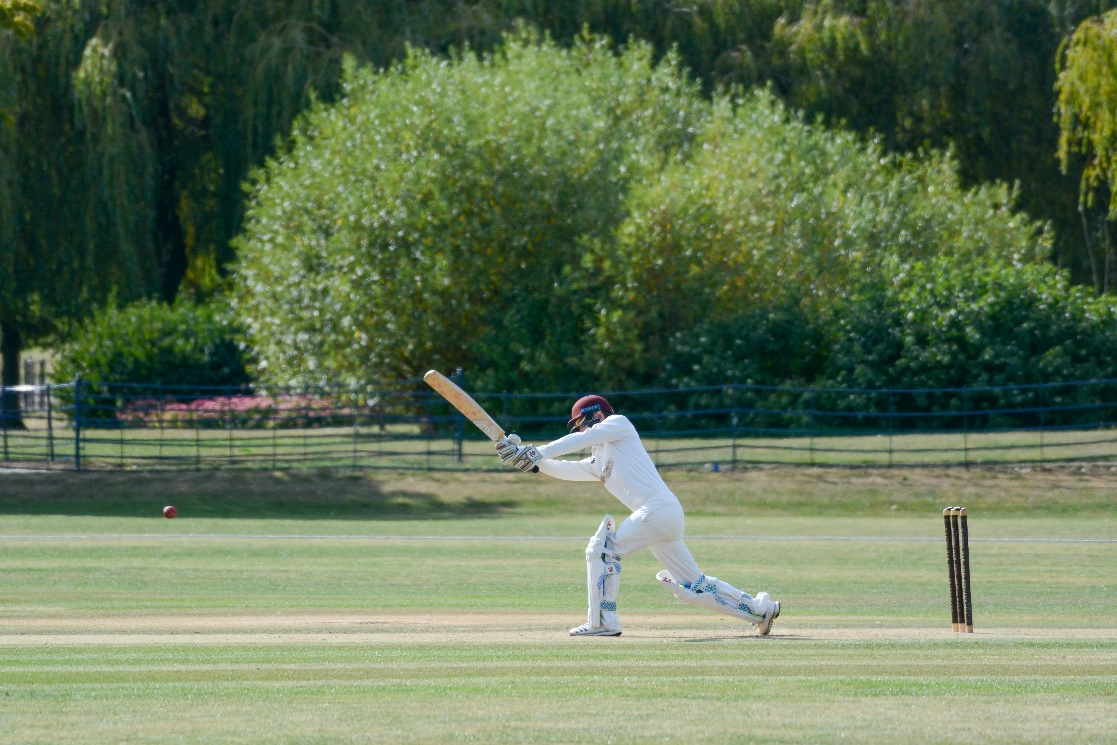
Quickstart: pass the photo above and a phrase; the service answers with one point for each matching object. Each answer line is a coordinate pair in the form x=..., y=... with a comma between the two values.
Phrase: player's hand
x=506, y=447
x=525, y=458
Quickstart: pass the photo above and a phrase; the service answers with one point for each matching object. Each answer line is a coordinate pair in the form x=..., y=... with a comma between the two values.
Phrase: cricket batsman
x=619, y=461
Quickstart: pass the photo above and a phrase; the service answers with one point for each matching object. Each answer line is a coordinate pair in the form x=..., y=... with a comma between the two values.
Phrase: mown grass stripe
x=518, y=539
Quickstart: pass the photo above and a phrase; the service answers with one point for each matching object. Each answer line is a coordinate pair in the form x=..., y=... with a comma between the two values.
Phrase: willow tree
x=1087, y=87
x=75, y=171
x=974, y=77
x=1087, y=113
x=126, y=129
x=18, y=16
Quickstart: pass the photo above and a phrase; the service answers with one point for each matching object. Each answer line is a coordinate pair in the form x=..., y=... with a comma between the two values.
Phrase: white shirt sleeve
x=569, y=470
x=608, y=431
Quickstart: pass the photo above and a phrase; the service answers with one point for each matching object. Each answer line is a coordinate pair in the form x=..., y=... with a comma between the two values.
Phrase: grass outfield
x=424, y=608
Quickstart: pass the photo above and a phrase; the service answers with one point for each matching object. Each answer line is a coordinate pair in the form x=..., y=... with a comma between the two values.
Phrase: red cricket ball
x=169, y=512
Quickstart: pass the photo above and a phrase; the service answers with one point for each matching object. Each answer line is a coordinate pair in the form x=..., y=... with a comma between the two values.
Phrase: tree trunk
x=11, y=344
x=172, y=247
x=170, y=239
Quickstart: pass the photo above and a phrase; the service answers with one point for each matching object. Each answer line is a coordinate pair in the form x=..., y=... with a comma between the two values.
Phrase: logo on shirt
x=607, y=470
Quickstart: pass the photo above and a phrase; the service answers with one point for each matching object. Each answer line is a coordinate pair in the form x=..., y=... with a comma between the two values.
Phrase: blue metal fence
x=403, y=424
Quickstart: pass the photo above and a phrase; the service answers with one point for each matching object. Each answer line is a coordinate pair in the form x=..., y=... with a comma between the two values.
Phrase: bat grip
x=535, y=469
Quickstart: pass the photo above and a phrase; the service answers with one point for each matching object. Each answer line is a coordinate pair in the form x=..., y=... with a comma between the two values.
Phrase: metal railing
x=404, y=425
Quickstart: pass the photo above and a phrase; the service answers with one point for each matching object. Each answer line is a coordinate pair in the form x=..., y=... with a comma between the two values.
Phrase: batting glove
x=506, y=447
x=525, y=458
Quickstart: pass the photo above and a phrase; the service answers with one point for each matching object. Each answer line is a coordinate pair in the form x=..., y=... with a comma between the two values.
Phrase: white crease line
x=309, y=537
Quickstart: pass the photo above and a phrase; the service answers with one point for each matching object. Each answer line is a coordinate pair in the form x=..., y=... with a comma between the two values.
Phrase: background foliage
x=772, y=214
x=188, y=97
x=1087, y=89
x=153, y=344
x=436, y=215
x=557, y=218
x=127, y=130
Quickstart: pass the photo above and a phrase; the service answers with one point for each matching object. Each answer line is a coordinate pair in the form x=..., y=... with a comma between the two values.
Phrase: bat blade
x=464, y=403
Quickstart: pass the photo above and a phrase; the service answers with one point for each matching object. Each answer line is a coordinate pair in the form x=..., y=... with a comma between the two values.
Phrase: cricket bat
x=464, y=403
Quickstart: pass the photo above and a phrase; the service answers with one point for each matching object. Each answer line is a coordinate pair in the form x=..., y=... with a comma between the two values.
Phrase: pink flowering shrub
x=249, y=412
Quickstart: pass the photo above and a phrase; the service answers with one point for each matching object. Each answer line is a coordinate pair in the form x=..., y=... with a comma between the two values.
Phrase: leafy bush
x=761, y=346
x=152, y=344
x=771, y=212
x=945, y=324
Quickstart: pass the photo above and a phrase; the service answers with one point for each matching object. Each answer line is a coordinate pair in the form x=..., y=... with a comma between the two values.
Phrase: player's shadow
x=299, y=495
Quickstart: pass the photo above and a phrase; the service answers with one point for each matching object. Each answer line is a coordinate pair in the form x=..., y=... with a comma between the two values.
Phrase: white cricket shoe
x=770, y=615
x=586, y=630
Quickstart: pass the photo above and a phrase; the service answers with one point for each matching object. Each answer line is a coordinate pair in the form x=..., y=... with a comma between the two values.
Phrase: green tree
x=1087, y=114
x=975, y=77
x=18, y=16
x=1087, y=88
x=126, y=131
x=436, y=215
x=76, y=169
x=771, y=213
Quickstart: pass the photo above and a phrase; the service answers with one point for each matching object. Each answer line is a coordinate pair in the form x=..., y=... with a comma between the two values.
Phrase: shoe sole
x=599, y=633
x=766, y=626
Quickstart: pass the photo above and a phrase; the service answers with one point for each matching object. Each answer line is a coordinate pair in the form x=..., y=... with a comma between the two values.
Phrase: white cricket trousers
x=659, y=525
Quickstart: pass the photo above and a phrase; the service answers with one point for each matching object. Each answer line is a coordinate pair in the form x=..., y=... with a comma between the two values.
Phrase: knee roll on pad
x=602, y=547
x=605, y=539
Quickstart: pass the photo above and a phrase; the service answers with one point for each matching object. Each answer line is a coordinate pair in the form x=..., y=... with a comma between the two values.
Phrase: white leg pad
x=603, y=569
x=713, y=594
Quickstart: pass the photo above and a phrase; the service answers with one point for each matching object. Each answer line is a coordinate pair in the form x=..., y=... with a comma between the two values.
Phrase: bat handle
x=535, y=469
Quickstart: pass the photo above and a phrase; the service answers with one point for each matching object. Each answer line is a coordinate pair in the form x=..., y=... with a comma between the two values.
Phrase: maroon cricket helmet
x=587, y=406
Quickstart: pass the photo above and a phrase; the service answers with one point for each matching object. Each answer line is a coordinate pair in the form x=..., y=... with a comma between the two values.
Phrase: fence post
x=304, y=420
x=160, y=398
x=356, y=416
x=459, y=378
x=426, y=428
x=4, y=418
x=810, y=425
x=28, y=379
x=77, y=423
x=1042, y=406
x=197, y=444
x=50, y=425
x=733, y=392
x=276, y=421
x=229, y=428
x=890, y=417
x=965, y=428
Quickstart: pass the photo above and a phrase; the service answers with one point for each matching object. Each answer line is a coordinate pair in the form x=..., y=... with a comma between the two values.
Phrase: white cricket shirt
x=618, y=460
